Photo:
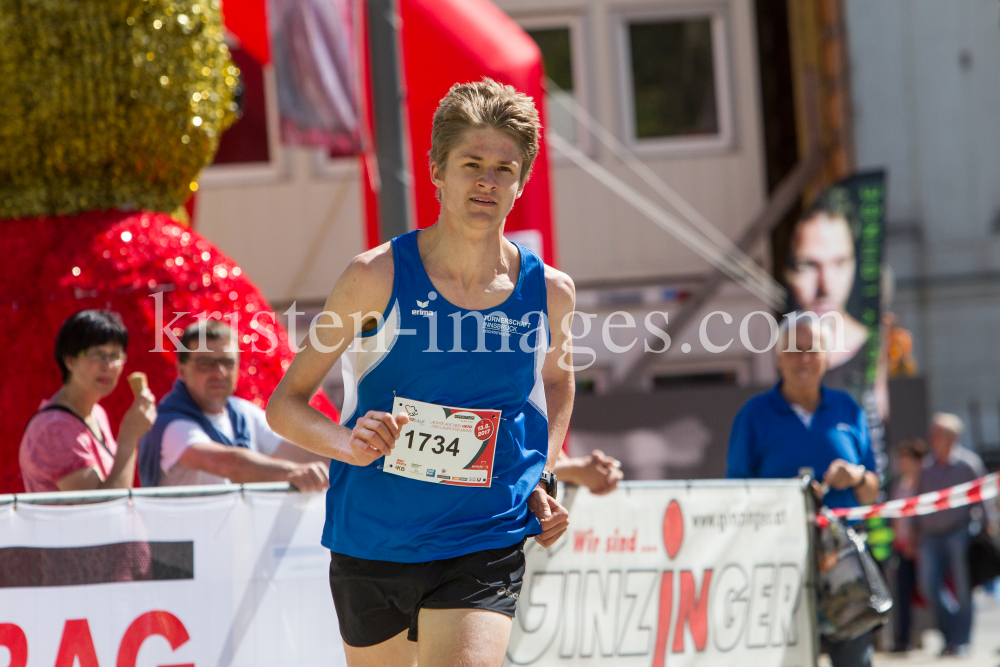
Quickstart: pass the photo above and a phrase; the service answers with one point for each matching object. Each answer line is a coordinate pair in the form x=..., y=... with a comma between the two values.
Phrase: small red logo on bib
x=484, y=429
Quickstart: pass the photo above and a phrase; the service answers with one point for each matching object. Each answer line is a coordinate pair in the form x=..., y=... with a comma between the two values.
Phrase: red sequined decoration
x=55, y=266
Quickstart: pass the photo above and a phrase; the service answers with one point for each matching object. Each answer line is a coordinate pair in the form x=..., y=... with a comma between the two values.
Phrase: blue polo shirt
x=769, y=440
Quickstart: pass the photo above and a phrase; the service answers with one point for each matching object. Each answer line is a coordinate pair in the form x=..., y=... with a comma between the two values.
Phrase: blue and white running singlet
x=495, y=363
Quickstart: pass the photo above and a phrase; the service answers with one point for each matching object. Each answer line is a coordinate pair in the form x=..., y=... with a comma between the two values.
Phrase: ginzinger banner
x=707, y=573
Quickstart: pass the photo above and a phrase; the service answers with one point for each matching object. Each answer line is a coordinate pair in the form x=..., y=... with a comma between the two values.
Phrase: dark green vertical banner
x=869, y=192
x=834, y=264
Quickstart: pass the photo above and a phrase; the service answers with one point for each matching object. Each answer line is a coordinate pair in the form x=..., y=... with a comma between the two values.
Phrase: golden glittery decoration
x=109, y=103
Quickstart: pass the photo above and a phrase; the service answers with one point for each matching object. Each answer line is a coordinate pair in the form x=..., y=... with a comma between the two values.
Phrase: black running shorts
x=376, y=599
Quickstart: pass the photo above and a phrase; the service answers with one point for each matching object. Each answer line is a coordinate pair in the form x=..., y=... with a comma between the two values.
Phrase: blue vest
x=494, y=362
x=178, y=404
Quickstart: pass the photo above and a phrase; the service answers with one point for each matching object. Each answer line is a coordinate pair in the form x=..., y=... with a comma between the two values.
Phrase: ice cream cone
x=137, y=381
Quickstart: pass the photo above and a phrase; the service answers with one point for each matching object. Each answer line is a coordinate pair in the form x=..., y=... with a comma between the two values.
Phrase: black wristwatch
x=550, y=480
x=864, y=478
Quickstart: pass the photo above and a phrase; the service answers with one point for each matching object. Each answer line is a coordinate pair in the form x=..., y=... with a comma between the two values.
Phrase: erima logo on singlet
x=421, y=308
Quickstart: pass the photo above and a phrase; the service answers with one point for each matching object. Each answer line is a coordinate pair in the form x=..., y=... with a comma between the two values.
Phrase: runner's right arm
x=359, y=297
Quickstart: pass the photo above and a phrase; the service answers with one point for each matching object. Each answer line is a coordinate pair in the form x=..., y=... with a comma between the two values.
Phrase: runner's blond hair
x=486, y=104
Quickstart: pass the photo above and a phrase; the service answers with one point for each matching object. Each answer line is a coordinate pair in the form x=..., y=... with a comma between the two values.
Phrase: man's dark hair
x=86, y=329
x=834, y=203
x=191, y=338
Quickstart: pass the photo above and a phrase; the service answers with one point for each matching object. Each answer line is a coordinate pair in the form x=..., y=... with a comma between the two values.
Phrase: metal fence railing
x=104, y=495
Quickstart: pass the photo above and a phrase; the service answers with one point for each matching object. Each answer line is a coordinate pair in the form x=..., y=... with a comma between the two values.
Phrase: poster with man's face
x=833, y=267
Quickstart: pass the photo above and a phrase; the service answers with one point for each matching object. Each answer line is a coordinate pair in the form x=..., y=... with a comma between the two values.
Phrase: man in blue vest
x=800, y=423
x=205, y=435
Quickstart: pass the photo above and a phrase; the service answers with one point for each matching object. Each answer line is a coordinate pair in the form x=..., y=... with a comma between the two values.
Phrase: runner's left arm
x=557, y=376
x=557, y=373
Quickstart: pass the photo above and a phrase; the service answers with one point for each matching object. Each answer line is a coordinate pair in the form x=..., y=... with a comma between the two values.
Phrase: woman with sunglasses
x=68, y=444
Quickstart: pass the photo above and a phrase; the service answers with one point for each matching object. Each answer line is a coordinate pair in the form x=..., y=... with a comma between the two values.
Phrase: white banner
x=661, y=574
x=709, y=574
x=230, y=580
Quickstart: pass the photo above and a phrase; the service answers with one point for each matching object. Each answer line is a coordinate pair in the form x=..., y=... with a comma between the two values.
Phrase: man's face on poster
x=822, y=268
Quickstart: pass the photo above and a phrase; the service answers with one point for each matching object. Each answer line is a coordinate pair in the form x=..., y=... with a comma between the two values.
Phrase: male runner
x=427, y=569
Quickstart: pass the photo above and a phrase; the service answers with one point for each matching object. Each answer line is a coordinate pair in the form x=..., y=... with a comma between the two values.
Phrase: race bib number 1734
x=444, y=445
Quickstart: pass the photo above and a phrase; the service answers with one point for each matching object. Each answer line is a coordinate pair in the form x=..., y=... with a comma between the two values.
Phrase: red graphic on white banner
x=77, y=642
x=673, y=528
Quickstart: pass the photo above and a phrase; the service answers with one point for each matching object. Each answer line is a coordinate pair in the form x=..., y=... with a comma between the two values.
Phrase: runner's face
x=210, y=376
x=802, y=366
x=480, y=180
x=822, y=272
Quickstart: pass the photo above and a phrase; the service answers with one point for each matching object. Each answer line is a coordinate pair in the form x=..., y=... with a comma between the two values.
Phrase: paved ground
x=985, y=642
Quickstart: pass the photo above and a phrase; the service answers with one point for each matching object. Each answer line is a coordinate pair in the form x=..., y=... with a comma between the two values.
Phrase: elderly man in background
x=800, y=423
x=944, y=535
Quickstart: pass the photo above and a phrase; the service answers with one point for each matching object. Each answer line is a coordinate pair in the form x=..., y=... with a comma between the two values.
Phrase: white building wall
x=270, y=225
x=601, y=237
x=602, y=240
x=926, y=92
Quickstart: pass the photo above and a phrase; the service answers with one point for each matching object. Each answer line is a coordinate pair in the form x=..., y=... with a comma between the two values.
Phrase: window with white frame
x=249, y=151
x=246, y=140
x=675, y=79
x=560, y=40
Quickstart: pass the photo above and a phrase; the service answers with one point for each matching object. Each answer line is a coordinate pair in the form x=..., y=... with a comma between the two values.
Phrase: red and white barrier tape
x=983, y=488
